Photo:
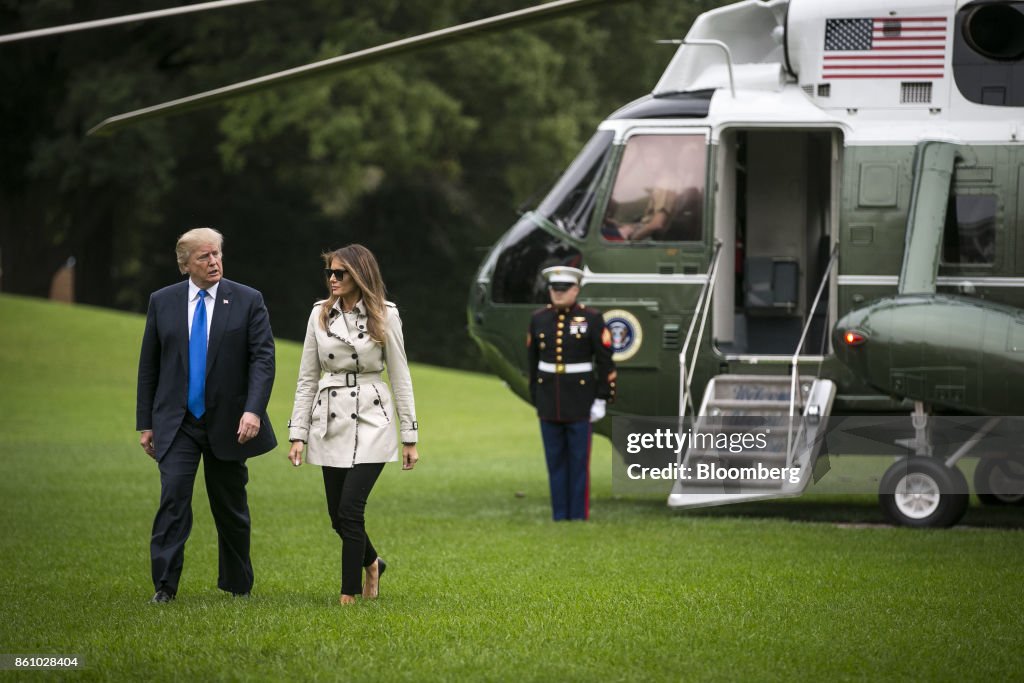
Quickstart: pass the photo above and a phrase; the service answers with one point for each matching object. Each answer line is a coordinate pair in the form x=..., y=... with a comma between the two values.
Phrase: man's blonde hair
x=192, y=240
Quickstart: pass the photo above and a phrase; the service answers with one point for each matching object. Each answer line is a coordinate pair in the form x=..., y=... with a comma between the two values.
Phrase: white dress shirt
x=193, y=299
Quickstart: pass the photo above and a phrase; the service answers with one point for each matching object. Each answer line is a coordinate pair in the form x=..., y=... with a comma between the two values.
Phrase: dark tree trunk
x=94, y=281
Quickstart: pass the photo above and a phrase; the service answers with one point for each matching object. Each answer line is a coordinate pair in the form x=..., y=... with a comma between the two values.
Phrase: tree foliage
x=424, y=158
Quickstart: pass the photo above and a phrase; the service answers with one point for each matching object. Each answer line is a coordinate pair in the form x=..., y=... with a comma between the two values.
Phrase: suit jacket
x=239, y=369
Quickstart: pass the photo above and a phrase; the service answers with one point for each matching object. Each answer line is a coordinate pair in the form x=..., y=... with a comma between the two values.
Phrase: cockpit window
x=570, y=203
x=659, y=190
x=523, y=253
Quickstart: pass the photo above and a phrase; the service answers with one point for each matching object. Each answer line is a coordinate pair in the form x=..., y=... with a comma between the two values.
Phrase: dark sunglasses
x=338, y=273
x=560, y=286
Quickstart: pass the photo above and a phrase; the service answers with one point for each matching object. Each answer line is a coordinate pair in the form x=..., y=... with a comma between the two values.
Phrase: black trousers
x=347, y=489
x=225, y=487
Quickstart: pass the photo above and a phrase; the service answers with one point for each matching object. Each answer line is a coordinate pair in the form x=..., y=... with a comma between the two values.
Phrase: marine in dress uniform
x=572, y=376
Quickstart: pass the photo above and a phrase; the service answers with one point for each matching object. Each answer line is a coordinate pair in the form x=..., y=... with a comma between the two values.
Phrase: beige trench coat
x=343, y=409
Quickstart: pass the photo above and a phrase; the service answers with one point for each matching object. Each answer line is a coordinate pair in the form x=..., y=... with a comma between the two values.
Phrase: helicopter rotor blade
x=346, y=61
x=123, y=19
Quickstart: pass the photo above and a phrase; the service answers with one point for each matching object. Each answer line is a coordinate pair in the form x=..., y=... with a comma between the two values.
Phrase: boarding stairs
x=749, y=446
x=773, y=426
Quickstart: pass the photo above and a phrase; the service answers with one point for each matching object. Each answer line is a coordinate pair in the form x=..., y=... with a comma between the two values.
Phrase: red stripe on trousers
x=586, y=496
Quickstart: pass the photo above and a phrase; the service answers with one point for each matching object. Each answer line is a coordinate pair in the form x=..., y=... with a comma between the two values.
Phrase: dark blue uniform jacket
x=562, y=337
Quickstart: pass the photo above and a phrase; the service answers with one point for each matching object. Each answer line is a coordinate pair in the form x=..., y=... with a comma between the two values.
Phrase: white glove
x=597, y=409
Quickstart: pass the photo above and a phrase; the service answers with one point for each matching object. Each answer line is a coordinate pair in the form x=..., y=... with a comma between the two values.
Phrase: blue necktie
x=197, y=359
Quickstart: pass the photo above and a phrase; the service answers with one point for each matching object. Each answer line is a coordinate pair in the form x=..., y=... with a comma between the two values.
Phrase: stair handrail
x=794, y=364
x=701, y=310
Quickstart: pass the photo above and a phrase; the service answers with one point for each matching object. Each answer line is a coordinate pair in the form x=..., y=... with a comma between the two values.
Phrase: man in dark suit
x=205, y=374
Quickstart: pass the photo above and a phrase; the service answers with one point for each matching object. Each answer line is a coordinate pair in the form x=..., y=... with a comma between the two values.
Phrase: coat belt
x=340, y=380
x=565, y=368
x=349, y=379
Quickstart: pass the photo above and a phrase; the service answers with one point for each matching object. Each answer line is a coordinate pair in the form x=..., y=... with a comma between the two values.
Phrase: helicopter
x=816, y=212
x=841, y=239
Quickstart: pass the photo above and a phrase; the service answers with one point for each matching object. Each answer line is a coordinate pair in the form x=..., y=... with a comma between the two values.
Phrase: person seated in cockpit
x=652, y=224
x=655, y=220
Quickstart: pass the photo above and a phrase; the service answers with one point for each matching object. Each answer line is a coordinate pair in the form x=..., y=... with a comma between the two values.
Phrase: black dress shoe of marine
x=161, y=596
x=245, y=594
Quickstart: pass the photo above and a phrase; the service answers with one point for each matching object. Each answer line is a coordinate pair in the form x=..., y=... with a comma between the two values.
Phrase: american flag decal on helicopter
x=885, y=48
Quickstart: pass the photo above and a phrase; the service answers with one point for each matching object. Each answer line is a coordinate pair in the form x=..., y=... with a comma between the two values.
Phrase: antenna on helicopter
x=708, y=43
x=123, y=19
x=342, y=62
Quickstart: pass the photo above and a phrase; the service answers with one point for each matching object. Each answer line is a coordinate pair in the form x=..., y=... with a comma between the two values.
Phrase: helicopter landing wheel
x=923, y=492
x=999, y=481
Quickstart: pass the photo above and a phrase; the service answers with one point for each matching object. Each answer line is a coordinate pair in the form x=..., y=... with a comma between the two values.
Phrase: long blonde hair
x=365, y=273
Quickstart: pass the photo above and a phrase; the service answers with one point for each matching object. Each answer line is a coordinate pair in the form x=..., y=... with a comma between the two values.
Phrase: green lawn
x=480, y=584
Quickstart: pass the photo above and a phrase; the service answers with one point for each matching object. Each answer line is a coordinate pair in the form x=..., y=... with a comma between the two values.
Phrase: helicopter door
x=774, y=218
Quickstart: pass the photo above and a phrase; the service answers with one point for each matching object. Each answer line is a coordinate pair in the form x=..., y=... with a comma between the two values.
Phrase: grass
x=480, y=584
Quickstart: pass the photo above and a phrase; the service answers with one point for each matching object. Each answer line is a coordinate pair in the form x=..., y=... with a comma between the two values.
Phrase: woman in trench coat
x=343, y=409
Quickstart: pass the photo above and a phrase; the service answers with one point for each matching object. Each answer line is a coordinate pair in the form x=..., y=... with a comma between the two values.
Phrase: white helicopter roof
x=880, y=69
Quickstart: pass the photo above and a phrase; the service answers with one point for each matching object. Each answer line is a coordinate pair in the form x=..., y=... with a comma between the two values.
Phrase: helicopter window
x=969, y=237
x=659, y=190
x=571, y=201
x=524, y=253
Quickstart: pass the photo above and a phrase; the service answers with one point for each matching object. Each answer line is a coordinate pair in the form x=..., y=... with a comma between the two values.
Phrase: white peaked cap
x=567, y=274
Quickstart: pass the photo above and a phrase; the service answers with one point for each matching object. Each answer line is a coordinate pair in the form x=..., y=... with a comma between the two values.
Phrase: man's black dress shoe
x=246, y=594
x=161, y=597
